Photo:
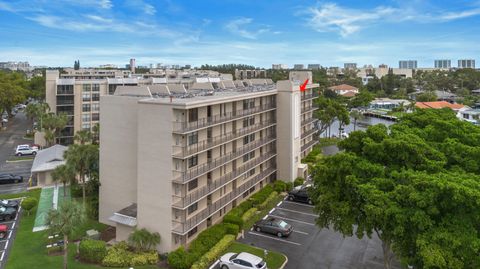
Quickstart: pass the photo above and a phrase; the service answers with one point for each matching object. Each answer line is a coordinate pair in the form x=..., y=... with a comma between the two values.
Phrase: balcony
x=183, y=177
x=186, y=201
x=187, y=151
x=185, y=127
x=309, y=132
x=183, y=227
x=308, y=121
x=309, y=96
x=309, y=109
x=309, y=144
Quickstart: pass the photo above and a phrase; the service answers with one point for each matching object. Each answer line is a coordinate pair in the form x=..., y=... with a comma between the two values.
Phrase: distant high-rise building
x=188, y=66
x=314, y=66
x=350, y=65
x=408, y=64
x=279, y=66
x=14, y=66
x=132, y=65
x=443, y=64
x=298, y=66
x=466, y=63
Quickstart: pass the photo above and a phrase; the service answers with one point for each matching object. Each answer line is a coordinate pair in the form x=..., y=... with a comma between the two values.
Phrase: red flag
x=303, y=86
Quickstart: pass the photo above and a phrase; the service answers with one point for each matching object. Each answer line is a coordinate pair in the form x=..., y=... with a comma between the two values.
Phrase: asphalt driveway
x=310, y=247
x=7, y=242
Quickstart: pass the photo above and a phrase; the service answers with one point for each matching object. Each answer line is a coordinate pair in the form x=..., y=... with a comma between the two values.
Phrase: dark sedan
x=9, y=203
x=10, y=178
x=7, y=213
x=274, y=226
x=300, y=195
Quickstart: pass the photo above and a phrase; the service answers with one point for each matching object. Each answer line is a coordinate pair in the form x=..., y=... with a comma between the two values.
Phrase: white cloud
x=330, y=17
x=239, y=27
x=106, y=4
x=149, y=9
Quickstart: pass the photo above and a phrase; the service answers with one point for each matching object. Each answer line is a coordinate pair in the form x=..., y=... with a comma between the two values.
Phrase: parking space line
x=300, y=232
x=295, y=203
x=3, y=254
x=299, y=221
x=13, y=225
x=274, y=238
x=299, y=212
x=271, y=210
x=6, y=246
x=279, y=203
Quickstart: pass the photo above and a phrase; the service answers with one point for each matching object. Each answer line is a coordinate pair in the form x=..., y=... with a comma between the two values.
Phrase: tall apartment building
x=408, y=64
x=298, y=66
x=14, y=66
x=314, y=66
x=466, y=63
x=132, y=65
x=176, y=162
x=249, y=74
x=350, y=65
x=443, y=64
x=77, y=92
x=279, y=66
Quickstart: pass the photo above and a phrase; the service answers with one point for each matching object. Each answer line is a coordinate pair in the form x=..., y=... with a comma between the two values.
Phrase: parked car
x=7, y=213
x=274, y=226
x=241, y=260
x=10, y=178
x=9, y=203
x=3, y=231
x=300, y=195
x=33, y=146
x=25, y=150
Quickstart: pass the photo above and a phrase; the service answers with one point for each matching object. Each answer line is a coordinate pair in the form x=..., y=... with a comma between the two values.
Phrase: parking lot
x=6, y=243
x=21, y=168
x=311, y=247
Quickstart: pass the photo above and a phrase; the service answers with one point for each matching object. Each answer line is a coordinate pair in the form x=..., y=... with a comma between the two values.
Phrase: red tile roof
x=438, y=105
x=349, y=94
x=343, y=87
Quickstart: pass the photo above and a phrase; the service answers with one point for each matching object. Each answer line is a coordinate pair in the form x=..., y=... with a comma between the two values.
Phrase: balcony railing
x=309, y=109
x=184, y=202
x=184, y=227
x=186, y=151
x=309, y=132
x=185, y=176
x=308, y=121
x=309, y=96
x=184, y=127
x=309, y=144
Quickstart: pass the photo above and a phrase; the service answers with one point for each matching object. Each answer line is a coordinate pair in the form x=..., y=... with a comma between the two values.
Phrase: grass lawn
x=28, y=250
x=274, y=259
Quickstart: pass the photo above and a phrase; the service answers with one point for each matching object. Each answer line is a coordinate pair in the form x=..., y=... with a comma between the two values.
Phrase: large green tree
x=12, y=90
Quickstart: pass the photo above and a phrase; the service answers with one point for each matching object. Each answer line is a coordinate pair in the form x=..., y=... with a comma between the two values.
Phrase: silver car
x=242, y=260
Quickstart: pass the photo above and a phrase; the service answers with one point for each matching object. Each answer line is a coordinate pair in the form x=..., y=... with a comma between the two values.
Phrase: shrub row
x=279, y=186
x=214, y=253
x=120, y=256
x=92, y=250
x=249, y=214
x=182, y=259
x=261, y=195
x=298, y=181
x=270, y=198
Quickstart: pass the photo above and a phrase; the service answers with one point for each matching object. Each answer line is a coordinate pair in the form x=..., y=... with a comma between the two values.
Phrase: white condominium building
x=176, y=160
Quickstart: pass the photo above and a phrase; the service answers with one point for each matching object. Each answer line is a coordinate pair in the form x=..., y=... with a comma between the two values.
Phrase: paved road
x=9, y=138
x=6, y=243
x=309, y=247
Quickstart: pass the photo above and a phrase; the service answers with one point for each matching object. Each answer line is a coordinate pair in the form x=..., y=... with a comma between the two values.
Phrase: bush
x=279, y=186
x=179, y=259
x=233, y=218
x=289, y=186
x=29, y=203
x=270, y=198
x=249, y=214
x=298, y=181
x=117, y=256
x=92, y=250
x=231, y=228
x=144, y=258
x=214, y=253
x=261, y=195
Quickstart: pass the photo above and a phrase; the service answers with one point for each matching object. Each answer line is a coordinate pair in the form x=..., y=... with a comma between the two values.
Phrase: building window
x=248, y=122
x=245, y=194
x=95, y=116
x=86, y=117
x=249, y=138
x=251, y=172
x=252, y=189
x=192, y=114
x=192, y=138
x=192, y=232
x=95, y=87
x=95, y=107
x=86, y=126
x=86, y=96
x=95, y=97
x=192, y=208
x=465, y=116
x=86, y=87
x=192, y=184
x=192, y=161
x=86, y=107
x=248, y=104
x=248, y=156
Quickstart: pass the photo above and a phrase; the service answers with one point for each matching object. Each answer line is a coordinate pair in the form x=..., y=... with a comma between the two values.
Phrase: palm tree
x=63, y=174
x=65, y=221
x=356, y=115
x=83, y=159
x=83, y=137
x=143, y=240
x=52, y=125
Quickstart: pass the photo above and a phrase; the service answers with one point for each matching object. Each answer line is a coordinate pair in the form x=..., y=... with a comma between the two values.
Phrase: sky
x=259, y=33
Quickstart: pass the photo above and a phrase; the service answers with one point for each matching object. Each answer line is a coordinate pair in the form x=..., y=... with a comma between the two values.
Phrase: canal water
x=361, y=125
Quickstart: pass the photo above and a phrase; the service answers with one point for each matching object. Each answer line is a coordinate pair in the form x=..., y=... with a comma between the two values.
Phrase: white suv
x=25, y=150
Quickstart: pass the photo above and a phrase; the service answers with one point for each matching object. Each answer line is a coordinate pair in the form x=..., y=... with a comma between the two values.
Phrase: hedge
x=92, y=250
x=289, y=186
x=247, y=215
x=279, y=186
x=298, y=181
x=120, y=256
x=233, y=218
x=270, y=198
x=261, y=195
x=180, y=259
x=209, y=257
x=231, y=228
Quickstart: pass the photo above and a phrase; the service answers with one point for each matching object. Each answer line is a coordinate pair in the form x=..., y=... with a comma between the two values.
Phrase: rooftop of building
x=438, y=105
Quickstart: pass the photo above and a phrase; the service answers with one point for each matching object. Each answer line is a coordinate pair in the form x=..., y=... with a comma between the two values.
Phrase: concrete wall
x=51, y=89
